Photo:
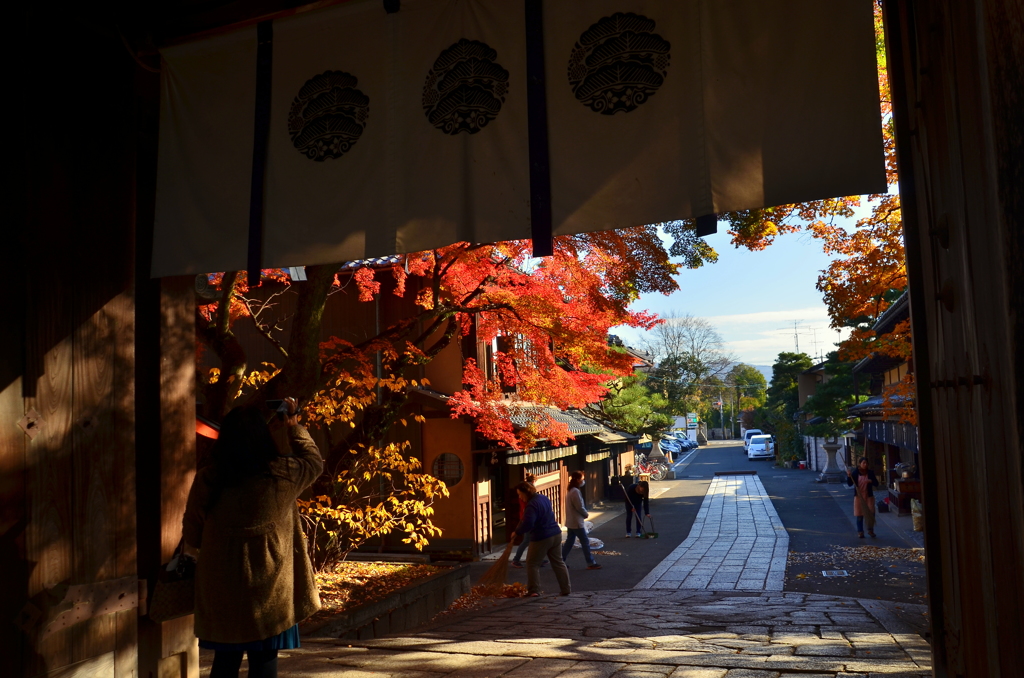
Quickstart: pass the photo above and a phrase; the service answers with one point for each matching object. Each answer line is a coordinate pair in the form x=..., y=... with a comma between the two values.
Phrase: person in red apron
x=863, y=481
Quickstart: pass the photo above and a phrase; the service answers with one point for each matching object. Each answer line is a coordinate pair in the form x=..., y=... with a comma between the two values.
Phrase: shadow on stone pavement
x=681, y=634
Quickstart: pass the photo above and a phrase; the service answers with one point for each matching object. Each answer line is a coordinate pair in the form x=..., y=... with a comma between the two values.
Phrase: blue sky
x=753, y=298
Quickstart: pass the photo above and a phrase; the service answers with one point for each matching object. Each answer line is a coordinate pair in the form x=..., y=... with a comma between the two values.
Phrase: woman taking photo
x=254, y=581
x=545, y=539
x=863, y=481
x=575, y=513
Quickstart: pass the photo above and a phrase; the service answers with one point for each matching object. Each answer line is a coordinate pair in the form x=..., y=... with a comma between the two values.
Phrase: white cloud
x=814, y=313
x=759, y=336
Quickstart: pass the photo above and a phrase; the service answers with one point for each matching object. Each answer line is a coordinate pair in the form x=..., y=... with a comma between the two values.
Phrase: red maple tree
x=553, y=315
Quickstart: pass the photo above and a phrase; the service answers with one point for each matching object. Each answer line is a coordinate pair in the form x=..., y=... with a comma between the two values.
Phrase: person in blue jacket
x=638, y=498
x=545, y=539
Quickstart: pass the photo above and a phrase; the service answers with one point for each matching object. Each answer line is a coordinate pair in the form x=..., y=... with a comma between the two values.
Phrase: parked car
x=670, y=445
x=751, y=432
x=760, y=447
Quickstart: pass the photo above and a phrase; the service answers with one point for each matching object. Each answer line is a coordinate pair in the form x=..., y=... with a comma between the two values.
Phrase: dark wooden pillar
x=164, y=407
x=957, y=69
x=165, y=458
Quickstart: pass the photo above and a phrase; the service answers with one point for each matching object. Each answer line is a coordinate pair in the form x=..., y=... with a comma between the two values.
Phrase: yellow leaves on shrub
x=380, y=492
x=257, y=378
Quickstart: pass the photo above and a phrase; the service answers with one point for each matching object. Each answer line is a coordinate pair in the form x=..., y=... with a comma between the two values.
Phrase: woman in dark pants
x=863, y=481
x=545, y=540
x=638, y=497
x=517, y=559
x=576, y=515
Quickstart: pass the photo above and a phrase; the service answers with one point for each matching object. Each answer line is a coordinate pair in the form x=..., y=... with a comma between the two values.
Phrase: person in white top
x=575, y=513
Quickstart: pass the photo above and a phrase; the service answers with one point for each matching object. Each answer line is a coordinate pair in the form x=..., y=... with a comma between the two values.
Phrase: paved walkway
x=637, y=634
x=685, y=620
x=737, y=542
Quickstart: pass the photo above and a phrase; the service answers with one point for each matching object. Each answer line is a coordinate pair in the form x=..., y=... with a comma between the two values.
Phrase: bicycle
x=656, y=470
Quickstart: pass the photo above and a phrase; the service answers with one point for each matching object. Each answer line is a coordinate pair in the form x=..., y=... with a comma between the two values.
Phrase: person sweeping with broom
x=517, y=559
x=638, y=496
x=545, y=540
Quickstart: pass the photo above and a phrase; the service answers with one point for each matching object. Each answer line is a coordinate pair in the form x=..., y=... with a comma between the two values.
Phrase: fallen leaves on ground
x=354, y=583
x=607, y=553
x=480, y=597
x=859, y=553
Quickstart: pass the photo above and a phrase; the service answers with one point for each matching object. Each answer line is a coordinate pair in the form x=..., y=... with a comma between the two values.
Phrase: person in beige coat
x=575, y=520
x=254, y=581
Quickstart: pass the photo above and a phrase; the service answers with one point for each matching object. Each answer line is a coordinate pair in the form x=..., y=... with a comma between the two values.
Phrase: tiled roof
x=373, y=261
x=899, y=310
x=578, y=424
x=876, y=404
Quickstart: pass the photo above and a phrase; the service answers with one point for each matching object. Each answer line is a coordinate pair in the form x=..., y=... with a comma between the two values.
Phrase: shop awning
x=611, y=437
x=537, y=455
x=346, y=132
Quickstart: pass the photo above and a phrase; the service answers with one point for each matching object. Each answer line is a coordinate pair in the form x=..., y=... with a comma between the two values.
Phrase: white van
x=750, y=432
x=760, y=447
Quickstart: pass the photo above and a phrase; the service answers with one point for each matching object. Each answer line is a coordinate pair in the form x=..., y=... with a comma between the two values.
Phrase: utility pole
x=796, y=335
x=736, y=432
x=721, y=410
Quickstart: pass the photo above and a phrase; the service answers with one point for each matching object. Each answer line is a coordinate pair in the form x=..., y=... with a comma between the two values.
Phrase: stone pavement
x=636, y=634
x=677, y=623
x=737, y=542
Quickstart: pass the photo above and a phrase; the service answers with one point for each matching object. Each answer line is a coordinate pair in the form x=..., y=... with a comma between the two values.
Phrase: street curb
x=400, y=610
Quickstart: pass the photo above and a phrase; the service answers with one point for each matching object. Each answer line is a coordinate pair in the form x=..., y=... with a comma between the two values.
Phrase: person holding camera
x=254, y=581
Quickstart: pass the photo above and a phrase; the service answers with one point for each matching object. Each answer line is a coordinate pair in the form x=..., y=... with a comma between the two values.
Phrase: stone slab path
x=634, y=634
x=737, y=542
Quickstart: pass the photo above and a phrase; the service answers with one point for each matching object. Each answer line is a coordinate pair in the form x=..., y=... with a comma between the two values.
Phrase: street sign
x=691, y=420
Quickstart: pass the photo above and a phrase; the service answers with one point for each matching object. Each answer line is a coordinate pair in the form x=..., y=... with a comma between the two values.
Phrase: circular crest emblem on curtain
x=465, y=89
x=328, y=115
x=618, y=63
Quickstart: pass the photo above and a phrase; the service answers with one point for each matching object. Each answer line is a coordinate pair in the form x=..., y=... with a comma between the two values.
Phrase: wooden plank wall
x=957, y=71
x=67, y=493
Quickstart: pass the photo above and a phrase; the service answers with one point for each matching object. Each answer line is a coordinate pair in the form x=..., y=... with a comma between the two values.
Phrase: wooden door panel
x=48, y=544
x=99, y=440
x=14, y=595
x=483, y=528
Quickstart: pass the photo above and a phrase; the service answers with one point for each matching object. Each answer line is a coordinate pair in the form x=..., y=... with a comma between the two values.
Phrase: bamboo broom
x=495, y=576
